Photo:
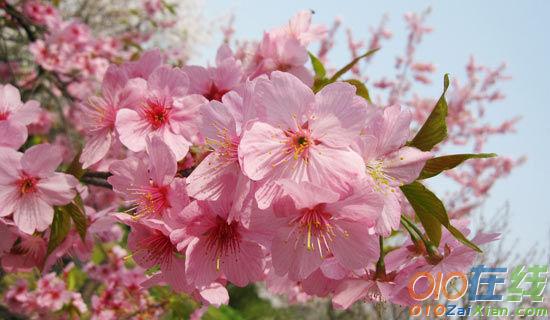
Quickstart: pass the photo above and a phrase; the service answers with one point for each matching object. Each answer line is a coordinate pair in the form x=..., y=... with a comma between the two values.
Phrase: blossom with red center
x=164, y=110
x=302, y=136
x=28, y=252
x=117, y=92
x=315, y=225
x=214, y=82
x=30, y=187
x=150, y=245
x=150, y=184
x=217, y=248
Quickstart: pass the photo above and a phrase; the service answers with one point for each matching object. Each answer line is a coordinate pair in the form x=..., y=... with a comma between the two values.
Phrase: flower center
x=382, y=181
x=214, y=93
x=157, y=112
x=27, y=184
x=226, y=145
x=298, y=144
x=158, y=248
x=224, y=238
x=151, y=200
x=315, y=223
x=4, y=115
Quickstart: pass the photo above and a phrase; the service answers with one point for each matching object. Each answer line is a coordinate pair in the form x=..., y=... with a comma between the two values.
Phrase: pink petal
x=58, y=189
x=332, y=269
x=261, y=149
x=200, y=263
x=348, y=292
x=174, y=275
x=96, y=148
x=335, y=169
x=293, y=259
x=147, y=63
x=212, y=178
x=162, y=162
x=287, y=100
x=405, y=164
x=307, y=195
x=177, y=143
x=32, y=213
x=357, y=249
x=392, y=129
x=339, y=117
x=199, y=79
x=131, y=129
x=363, y=204
x=9, y=97
x=41, y=160
x=390, y=218
x=9, y=195
x=169, y=81
x=218, y=122
x=10, y=164
x=12, y=134
x=28, y=113
x=245, y=265
x=215, y=294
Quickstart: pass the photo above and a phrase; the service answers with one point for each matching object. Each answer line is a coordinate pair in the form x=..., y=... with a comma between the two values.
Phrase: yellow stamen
x=309, y=246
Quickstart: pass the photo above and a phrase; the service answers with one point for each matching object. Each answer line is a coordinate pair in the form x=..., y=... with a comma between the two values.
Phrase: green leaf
x=75, y=210
x=350, y=65
x=361, y=89
x=437, y=165
x=434, y=129
x=428, y=208
x=319, y=84
x=318, y=67
x=460, y=237
x=432, y=213
x=60, y=228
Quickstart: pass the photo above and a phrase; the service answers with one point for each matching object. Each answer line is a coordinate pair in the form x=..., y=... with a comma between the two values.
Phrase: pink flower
x=165, y=111
x=219, y=174
x=51, y=292
x=389, y=162
x=282, y=53
x=301, y=28
x=214, y=82
x=151, y=185
x=149, y=242
x=302, y=137
x=216, y=247
x=117, y=92
x=11, y=107
x=317, y=225
x=367, y=287
x=284, y=49
x=28, y=253
x=29, y=186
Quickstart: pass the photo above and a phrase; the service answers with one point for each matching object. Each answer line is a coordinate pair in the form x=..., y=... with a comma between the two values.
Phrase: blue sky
x=494, y=31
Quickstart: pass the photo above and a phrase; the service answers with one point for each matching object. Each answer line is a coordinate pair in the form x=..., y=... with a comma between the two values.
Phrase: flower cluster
x=49, y=298
x=254, y=169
